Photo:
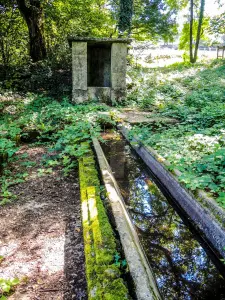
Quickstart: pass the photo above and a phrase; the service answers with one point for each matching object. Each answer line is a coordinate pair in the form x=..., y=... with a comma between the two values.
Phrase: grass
x=195, y=96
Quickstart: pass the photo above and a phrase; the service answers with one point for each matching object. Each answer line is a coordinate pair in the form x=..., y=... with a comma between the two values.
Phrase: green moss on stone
x=103, y=276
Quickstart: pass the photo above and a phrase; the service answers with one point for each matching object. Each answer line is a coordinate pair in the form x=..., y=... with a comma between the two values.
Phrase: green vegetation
x=195, y=98
x=38, y=30
x=35, y=108
x=7, y=286
x=185, y=34
x=60, y=126
x=102, y=260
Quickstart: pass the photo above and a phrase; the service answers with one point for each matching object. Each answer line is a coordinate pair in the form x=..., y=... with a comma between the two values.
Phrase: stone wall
x=99, y=71
x=118, y=71
x=79, y=69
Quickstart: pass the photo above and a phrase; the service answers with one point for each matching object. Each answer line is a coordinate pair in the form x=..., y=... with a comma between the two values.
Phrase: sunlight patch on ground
x=53, y=255
x=46, y=255
x=15, y=264
x=165, y=57
x=31, y=151
x=200, y=141
x=7, y=250
x=33, y=205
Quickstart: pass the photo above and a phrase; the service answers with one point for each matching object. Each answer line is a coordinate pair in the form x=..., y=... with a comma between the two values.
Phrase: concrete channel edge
x=198, y=214
x=144, y=281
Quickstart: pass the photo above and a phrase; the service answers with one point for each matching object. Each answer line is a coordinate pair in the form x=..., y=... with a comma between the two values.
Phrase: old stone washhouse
x=99, y=69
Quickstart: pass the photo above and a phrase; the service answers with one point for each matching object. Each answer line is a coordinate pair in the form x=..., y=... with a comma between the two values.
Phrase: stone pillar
x=79, y=72
x=118, y=71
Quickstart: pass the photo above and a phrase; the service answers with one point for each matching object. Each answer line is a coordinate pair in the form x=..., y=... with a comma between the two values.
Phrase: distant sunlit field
x=165, y=56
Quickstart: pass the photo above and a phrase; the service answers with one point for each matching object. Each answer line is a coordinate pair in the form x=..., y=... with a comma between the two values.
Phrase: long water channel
x=181, y=263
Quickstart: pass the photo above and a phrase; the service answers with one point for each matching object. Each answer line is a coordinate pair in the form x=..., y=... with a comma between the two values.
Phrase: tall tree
x=147, y=19
x=32, y=12
x=193, y=57
x=125, y=16
x=201, y=15
x=191, y=29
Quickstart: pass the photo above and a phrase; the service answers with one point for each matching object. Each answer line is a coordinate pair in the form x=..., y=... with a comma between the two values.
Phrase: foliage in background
x=30, y=28
x=184, y=42
x=80, y=18
x=154, y=20
x=217, y=24
x=195, y=97
x=55, y=20
x=13, y=35
x=44, y=77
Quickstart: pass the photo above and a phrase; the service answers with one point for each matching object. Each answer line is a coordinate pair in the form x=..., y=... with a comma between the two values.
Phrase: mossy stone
x=103, y=277
x=112, y=273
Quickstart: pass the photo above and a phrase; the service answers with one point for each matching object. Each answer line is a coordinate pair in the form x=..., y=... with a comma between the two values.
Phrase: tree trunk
x=191, y=29
x=125, y=17
x=201, y=15
x=2, y=50
x=33, y=15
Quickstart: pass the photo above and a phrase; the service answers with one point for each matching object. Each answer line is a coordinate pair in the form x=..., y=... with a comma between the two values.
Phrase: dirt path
x=41, y=236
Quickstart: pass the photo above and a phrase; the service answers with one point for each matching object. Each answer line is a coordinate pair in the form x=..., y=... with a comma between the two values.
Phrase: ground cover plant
x=195, y=96
x=57, y=129
x=58, y=125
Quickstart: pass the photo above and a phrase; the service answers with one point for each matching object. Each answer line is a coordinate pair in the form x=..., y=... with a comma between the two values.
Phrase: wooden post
x=222, y=48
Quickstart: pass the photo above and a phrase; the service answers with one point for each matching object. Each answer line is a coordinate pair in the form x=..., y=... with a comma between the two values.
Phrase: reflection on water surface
x=182, y=268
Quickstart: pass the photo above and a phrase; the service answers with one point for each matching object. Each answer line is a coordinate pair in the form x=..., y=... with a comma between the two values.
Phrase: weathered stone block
x=100, y=94
x=118, y=58
x=118, y=96
x=118, y=67
x=80, y=79
x=80, y=96
x=79, y=60
x=119, y=49
x=118, y=80
x=79, y=48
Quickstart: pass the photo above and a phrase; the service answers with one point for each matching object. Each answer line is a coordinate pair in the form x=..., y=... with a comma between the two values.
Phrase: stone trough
x=144, y=281
x=211, y=229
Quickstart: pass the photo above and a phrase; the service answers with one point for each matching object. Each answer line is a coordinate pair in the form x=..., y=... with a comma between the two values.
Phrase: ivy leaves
x=7, y=148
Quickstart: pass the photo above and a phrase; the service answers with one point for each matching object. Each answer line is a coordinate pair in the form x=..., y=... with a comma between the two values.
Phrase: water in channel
x=182, y=268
